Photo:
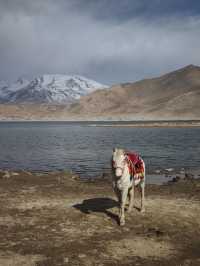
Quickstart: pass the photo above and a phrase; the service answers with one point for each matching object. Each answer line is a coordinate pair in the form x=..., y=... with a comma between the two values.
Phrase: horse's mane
x=118, y=152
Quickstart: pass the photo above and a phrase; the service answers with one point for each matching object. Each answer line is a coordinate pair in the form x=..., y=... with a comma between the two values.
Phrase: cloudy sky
x=110, y=41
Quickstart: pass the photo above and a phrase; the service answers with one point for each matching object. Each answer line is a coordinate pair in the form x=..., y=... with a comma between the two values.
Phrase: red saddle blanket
x=135, y=164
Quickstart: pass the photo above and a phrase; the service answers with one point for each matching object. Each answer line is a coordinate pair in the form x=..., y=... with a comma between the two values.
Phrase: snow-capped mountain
x=48, y=89
x=6, y=90
x=3, y=88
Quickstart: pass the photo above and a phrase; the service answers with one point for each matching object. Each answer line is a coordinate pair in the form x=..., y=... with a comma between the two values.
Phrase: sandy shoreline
x=58, y=219
x=109, y=123
x=150, y=124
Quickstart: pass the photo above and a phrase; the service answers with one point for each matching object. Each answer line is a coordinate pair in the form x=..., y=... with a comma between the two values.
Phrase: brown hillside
x=174, y=95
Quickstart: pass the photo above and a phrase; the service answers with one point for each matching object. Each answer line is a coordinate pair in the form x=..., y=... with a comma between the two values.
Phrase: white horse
x=124, y=182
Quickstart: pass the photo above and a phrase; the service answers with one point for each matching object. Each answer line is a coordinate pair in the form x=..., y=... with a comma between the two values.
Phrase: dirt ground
x=57, y=219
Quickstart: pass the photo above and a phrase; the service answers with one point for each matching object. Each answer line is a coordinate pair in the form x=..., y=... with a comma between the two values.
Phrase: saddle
x=135, y=165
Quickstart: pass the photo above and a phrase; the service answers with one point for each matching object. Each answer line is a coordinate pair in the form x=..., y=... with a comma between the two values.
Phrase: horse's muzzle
x=118, y=171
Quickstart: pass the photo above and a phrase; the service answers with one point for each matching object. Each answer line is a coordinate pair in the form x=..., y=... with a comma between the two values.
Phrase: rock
x=157, y=171
x=182, y=171
x=82, y=256
x=154, y=232
x=14, y=173
x=67, y=172
x=105, y=176
x=169, y=169
x=26, y=172
x=187, y=262
x=126, y=229
x=6, y=175
x=75, y=177
x=1, y=173
x=36, y=174
x=66, y=260
x=189, y=176
x=176, y=179
x=59, y=179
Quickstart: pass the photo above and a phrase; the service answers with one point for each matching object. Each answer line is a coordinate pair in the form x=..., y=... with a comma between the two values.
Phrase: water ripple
x=87, y=150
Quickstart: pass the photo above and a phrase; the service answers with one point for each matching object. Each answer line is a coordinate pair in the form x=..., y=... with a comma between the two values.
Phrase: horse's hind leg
x=142, y=197
x=131, y=198
x=142, y=190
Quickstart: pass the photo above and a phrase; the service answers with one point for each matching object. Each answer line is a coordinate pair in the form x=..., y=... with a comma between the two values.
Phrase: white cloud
x=57, y=40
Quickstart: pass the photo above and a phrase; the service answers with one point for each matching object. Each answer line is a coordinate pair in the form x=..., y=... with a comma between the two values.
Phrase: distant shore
x=150, y=124
x=107, y=123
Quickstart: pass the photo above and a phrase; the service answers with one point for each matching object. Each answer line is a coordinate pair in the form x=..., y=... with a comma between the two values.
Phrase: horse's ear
x=114, y=150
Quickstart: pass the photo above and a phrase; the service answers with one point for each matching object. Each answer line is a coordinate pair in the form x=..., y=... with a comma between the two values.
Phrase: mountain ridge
x=147, y=98
x=172, y=96
x=48, y=88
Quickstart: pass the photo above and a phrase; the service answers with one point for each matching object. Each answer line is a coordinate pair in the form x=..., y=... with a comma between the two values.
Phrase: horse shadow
x=101, y=205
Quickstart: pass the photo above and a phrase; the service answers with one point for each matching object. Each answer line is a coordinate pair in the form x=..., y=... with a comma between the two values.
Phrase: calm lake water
x=86, y=150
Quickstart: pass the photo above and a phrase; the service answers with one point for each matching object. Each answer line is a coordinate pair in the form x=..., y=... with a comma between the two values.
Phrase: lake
x=86, y=150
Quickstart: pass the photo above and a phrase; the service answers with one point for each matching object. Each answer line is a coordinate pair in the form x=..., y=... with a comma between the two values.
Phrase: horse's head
x=118, y=161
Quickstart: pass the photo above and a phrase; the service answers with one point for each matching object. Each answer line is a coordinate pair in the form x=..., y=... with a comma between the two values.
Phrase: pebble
x=126, y=229
x=14, y=173
x=66, y=260
x=169, y=169
x=176, y=179
x=182, y=171
x=6, y=174
x=75, y=177
x=158, y=171
x=189, y=176
x=59, y=179
x=28, y=173
x=82, y=256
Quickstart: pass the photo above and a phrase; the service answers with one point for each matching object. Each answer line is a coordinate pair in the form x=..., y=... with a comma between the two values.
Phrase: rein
x=118, y=167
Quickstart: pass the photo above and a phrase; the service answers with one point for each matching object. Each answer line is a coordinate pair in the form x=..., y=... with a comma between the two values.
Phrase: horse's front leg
x=124, y=194
x=118, y=195
x=131, y=198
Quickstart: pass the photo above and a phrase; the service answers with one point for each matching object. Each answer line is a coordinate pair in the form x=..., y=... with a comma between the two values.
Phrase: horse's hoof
x=129, y=210
x=142, y=210
x=122, y=223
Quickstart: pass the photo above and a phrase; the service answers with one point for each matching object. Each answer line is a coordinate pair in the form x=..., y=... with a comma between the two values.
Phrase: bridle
x=119, y=167
x=127, y=161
